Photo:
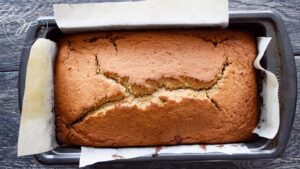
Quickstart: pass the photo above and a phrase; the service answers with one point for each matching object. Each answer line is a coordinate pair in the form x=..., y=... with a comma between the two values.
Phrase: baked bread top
x=104, y=79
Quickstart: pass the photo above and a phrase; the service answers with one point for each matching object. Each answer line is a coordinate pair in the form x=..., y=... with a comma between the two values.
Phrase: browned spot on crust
x=177, y=139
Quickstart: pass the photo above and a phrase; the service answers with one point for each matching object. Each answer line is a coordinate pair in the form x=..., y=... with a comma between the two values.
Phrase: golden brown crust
x=156, y=88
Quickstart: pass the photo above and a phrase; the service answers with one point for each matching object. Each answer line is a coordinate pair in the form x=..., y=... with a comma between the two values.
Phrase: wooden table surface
x=10, y=52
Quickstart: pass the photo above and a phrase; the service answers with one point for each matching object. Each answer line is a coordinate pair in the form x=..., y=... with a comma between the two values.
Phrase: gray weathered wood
x=11, y=11
x=289, y=11
x=9, y=111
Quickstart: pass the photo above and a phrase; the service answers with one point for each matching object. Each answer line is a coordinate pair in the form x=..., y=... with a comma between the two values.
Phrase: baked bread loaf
x=147, y=88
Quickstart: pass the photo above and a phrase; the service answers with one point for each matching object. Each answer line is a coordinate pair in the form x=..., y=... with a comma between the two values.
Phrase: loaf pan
x=278, y=59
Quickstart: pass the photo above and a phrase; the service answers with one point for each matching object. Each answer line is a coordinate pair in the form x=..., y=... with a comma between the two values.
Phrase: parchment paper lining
x=148, y=14
x=269, y=118
x=42, y=126
x=37, y=127
x=91, y=155
x=37, y=119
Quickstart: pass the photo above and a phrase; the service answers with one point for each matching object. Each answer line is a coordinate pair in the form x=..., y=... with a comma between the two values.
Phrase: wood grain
x=13, y=11
x=289, y=11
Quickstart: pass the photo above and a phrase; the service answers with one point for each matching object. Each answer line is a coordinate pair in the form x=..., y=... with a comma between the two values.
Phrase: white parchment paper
x=91, y=155
x=148, y=13
x=37, y=127
x=269, y=119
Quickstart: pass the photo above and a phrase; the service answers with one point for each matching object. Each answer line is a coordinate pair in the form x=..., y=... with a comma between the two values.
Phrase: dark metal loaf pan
x=278, y=59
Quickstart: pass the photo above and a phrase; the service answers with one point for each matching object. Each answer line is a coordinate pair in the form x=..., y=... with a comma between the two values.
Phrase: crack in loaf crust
x=148, y=88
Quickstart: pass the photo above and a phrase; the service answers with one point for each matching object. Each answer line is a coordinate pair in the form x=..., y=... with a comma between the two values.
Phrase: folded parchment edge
x=269, y=119
x=37, y=127
x=140, y=14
